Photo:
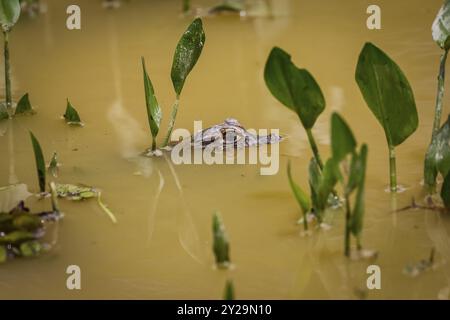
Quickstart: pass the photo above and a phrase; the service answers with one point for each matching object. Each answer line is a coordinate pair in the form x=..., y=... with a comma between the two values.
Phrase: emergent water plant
x=296, y=89
x=186, y=56
x=389, y=96
x=221, y=246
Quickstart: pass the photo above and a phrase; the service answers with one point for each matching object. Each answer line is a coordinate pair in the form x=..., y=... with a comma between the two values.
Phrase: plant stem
x=7, y=71
x=314, y=148
x=440, y=94
x=347, y=226
x=173, y=115
x=154, y=144
x=392, y=169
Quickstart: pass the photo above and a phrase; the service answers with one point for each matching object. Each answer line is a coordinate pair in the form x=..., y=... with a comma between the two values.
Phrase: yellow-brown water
x=161, y=246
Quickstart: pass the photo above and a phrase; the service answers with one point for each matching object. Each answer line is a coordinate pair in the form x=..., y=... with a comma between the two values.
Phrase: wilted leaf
x=295, y=88
x=153, y=110
x=342, y=140
x=441, y=26
x=40, y=162
x=187, y=53
x=220, y=243
x=24, y=106
x=71, y=115
x=388, y=94
x=9, y=13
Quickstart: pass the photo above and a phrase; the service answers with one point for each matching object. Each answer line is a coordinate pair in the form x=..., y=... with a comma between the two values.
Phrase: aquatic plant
x=9, y=15
x=301, y=197
x=389, y=96
x=441, y=35
x=40, y=162
x=71, y=115
x=437, y=159
x=343, y=145
x=53, y=166
x=445, y=191
x=296, y=89
x=221, y=246
x=228, y=293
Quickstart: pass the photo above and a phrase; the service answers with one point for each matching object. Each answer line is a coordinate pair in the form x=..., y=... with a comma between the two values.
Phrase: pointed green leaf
x=71, y=115
x=445, y=191
x=356, y=220
x=9, y=13
x=187, y=53
x=229, y=291
x=40, y=162
x=153, y=110
x=295, y=88
x=53, y=167
x=387, y=93
x=300, y=196
x=441, y=26
x=342, y=140
x=220, y=243
x=24, y=105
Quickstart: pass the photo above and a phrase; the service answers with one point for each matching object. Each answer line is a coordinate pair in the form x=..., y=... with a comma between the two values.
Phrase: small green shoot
x=228, y=293
x=154, y=114
x=296, y=89
x=53, y=167
x=71, y=115
x=40, y=162
x=301, y=197
x=24, y=105
x=389, y=96
x=221, y=245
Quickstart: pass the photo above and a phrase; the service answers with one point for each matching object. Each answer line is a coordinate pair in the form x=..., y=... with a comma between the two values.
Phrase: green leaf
x=437, y=159
x=357, y=217
x=30, y=249
x=187, y=53
x=342, y=140
x=441, y=26
x=24, y=105
x=445, y=191
x=40, y=162
x=220, y=243
x=71, y=115
x=387, y=93
x=9, y=13
x=322, y=184
x=53, y=166
x=3, y=254
x=301, y=197
x=16, y=237
x=294, y=87
x=153, y=110
x=229, y=291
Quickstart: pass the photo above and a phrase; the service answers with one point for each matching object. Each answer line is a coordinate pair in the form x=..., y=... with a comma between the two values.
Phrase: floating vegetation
x=40, y=162
x=343, y=144
x=71, y=115
x=228, y=293
x=221, y=245
x=21, y=231
x=301, y=197
x=296, y=89
x=79, y=192
x=53, y=166
x=389, y=96
x=414, y=270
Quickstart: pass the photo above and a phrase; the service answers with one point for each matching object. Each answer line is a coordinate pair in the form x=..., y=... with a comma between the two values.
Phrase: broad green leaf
x=40, y=162
x=437, y=159
x=71, y=115
x=220, y=243
x=342, y=140
x=301, y=197
x=9, y=13
x=3, y=254
x=3, y=112
x=229, y=291
x=357, y=217
x=24, y=105
x=30, y=248
x=445, y=191
x=295, y=88
x=441, y=26
x=387, y=93
x=187, y=53
x=153, y=110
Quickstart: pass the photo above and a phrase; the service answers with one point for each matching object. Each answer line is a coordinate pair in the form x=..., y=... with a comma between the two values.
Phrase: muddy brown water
x=161, y=246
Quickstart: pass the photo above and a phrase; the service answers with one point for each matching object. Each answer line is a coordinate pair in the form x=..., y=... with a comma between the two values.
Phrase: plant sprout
x=221, y=246
x=301, y=197
x=9, y=14
x=296, y=89
x=71, y=115
x=229, y=291
x=40, y=162
x=389, y=96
